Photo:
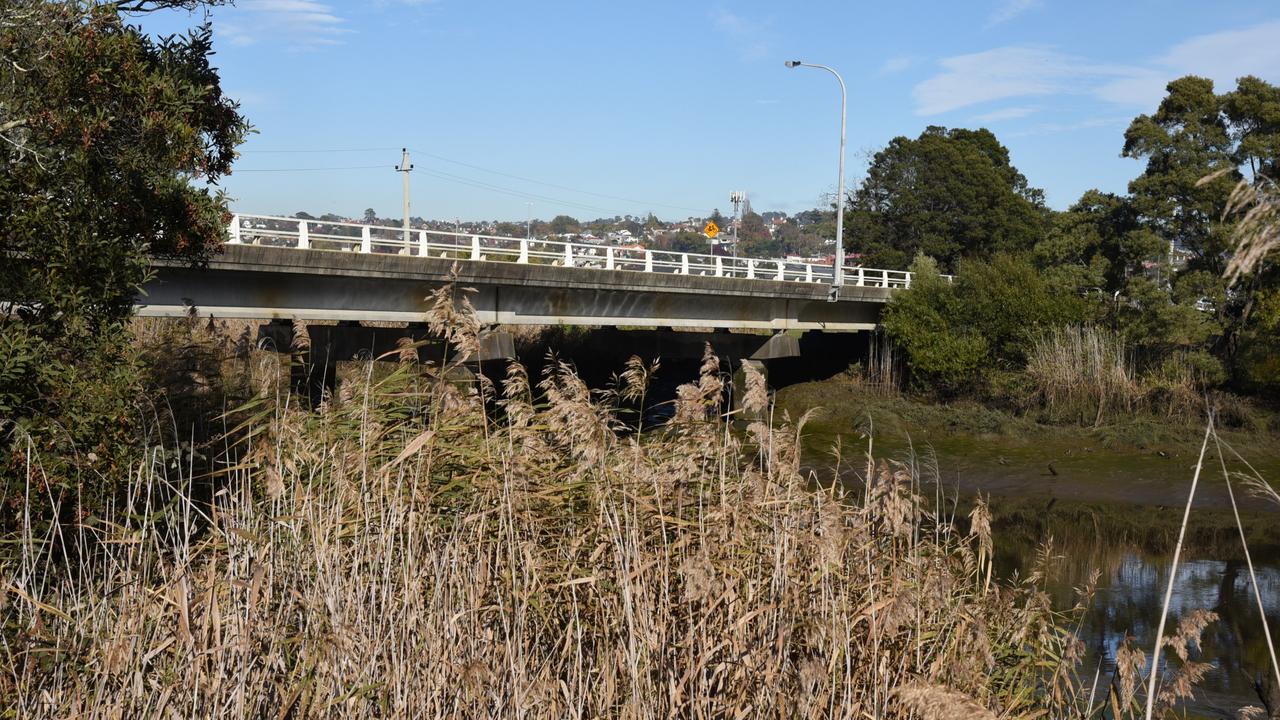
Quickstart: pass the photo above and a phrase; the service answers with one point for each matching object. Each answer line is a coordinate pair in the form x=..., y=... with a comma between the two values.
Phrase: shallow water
x=1130, y=592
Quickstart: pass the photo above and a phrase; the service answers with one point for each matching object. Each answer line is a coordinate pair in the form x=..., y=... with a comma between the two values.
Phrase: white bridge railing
x=353, y=237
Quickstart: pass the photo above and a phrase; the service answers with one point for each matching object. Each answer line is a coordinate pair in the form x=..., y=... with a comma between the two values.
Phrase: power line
x=553, y=185
x=480, y=184
x=332, y=150
x=510, y=191
x=309, y=169
x=461, y=163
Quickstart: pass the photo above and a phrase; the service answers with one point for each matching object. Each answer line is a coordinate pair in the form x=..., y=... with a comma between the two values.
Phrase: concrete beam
x=267, y=282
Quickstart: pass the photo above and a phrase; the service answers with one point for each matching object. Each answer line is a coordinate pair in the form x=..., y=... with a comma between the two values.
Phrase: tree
x=1096, y=245
x=563, y=225
x=718, y=219
x=1195, y=146
x=754, y=239
x=948, y=194
x=370, y=216
x=683, y=241
x=510, y=229
x=1253, y=109
x=941, y=355
x=112, y=142
x=1186, y=141
x=652, y=224
x=954, y=333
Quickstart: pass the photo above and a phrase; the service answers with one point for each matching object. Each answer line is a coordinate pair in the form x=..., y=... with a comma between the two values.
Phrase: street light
x=837, y=280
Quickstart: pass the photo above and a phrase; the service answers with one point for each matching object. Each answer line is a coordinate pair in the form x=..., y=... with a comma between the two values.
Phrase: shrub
x=955, y=333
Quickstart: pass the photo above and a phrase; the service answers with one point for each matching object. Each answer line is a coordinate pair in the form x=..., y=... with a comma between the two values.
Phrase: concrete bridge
x=285, y=268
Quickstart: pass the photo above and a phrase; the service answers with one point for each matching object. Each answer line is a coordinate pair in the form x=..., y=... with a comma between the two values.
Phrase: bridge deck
x=281, y=282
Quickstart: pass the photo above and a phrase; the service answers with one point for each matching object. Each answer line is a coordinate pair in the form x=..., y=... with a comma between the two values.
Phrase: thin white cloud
x=1010, y=9
x=1009, y=113
x=1220, y=56
x=895, y=65
x=1087, y=123
x=750, y=37
x=1008, y=73
x=295, y=24
x=1003, y=73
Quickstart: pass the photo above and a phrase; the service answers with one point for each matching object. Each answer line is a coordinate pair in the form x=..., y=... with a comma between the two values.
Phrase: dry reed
x=1083, y=371
x=401, y=553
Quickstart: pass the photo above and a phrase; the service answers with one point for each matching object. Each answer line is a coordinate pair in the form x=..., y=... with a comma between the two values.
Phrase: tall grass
x=1083, y=372
x=402, y=553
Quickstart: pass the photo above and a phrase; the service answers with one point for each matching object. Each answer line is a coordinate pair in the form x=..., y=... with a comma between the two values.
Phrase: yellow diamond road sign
x=711, y=229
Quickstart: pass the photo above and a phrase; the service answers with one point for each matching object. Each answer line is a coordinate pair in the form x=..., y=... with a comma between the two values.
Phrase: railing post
x=782, y=270
x=648, y=260
x=524, y=252
x=884, y=278
x=908, y=283
x=719, y=267
x=475, y=247
x=233, y=230
x=751, y=269
x=304, y=241
x=861, y=278
x=423, y=251
x=568, y=254
x=608, y=258
x=684, y=263
x=366, y=240
x=808, y=272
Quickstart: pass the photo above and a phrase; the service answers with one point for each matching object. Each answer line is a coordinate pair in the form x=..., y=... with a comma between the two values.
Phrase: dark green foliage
x=683, y=241
x=1095, y=245
x=943, y=353
x=948, y=194
x=754, y=239
x=562, y=224
x=106, y=132
x=1253, y=110
x=1184, y=142
x=955, y=334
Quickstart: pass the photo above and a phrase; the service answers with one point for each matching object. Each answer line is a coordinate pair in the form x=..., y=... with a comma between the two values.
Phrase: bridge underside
x=266, y=282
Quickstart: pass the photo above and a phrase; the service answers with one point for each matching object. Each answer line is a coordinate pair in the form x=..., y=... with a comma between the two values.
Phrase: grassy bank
x=402, y=552
x=1135, y=460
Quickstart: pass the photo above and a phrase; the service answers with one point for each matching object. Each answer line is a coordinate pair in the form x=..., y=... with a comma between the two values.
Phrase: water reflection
x=1130, y=592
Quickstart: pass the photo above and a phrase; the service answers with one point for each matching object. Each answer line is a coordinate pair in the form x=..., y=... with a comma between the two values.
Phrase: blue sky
x=601, y=108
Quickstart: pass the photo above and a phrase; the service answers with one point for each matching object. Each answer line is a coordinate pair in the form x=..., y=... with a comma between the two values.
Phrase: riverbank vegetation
x=418, y=546
x=1118, y=305
x=182, y=535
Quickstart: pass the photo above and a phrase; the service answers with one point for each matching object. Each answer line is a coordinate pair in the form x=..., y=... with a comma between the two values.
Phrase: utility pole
x=528, y=222
x=405, y=168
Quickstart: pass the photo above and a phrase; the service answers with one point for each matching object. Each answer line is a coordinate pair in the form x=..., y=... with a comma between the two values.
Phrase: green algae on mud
x=1139, y=461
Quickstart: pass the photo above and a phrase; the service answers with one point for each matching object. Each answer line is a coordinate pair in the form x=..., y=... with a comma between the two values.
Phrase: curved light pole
x=837, y=279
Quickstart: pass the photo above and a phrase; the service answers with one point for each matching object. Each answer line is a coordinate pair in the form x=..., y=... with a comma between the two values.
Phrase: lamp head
x=792, y=63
